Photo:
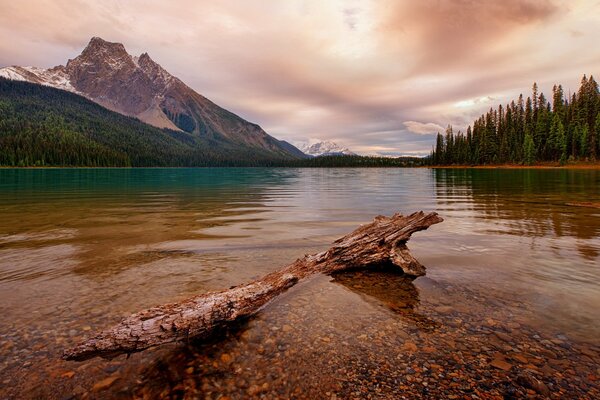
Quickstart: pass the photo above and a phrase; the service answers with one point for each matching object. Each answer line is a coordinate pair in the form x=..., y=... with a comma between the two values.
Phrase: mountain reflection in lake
x=513, y=271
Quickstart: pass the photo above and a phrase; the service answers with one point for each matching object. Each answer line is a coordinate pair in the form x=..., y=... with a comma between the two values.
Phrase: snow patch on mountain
x=55, y=77
x=12, y=73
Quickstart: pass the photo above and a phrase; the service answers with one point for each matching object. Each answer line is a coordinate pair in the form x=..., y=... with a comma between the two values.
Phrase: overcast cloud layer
x=374, y=75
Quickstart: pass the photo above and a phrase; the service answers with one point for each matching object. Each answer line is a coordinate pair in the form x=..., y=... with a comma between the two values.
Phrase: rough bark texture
x=381, y=241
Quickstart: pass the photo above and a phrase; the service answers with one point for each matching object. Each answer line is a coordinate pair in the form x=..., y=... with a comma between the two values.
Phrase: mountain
x=293, y=150
x=138, y=86
x=44, y=126
x=323, y=148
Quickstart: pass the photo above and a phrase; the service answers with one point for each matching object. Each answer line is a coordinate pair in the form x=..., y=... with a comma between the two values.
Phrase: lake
x=513, y=276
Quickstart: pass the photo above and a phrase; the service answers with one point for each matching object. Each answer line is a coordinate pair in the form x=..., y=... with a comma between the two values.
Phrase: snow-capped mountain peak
x=316, y=148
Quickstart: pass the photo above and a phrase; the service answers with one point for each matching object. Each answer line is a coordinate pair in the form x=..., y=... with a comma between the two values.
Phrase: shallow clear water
x=80, y=248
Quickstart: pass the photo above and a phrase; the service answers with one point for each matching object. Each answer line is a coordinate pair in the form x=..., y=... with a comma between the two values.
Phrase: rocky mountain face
x=323, y=148
x=137, y=86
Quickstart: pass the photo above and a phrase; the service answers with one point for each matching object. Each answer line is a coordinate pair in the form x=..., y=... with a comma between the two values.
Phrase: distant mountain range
x=139, y=87
x=317, y=148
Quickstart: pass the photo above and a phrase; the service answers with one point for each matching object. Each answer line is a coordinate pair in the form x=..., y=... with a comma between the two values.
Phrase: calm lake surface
x=81, y=248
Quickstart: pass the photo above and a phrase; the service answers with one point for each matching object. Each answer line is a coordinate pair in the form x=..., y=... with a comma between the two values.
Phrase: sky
x=377, y=76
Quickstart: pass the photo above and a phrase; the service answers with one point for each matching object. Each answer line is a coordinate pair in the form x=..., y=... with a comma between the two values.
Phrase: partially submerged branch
x=381, y=241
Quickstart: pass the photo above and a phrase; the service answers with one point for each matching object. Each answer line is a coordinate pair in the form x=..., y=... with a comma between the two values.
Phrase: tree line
x=526, y=131
x=353, y=161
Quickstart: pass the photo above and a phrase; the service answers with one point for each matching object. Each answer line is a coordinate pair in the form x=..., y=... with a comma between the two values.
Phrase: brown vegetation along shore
x=582, y=165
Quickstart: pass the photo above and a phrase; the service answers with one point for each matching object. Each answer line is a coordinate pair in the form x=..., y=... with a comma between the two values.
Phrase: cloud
x=357, y=71
x=443, y=34
x=423, y=129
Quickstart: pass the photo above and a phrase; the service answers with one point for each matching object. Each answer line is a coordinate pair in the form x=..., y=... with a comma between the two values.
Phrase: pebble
x=226, y=358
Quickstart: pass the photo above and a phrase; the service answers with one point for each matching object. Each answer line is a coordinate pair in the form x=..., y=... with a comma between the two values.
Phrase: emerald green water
x=80, y=248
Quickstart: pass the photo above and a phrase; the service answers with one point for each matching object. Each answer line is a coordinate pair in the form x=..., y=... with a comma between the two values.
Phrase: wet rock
x=253, y=390
x=501, y=363
x=588, y=352
x=79, y=390
x=520, y=358
x=503, y=336
x=104, y=383
x=409, y=347
x=528, y=381
x=443, y=310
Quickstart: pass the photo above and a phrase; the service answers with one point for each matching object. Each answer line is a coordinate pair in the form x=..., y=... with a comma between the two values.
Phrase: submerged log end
x=97, y=346
x=400, y=255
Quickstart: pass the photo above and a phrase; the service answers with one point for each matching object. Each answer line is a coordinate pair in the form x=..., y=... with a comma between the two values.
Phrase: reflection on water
x=528, y=202
x=80, y=248
x=385, y=286
x=521, y=227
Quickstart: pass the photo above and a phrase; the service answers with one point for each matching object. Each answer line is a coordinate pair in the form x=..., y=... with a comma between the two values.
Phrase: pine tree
x=529, y=149
x=594, y=108
x=439, y=149
x=561, y=141
x=597, y=132
x=556, y=139
x=583, y=142
x=535, y=99
x=575, y=142
x=558, y=101
x=449, y=151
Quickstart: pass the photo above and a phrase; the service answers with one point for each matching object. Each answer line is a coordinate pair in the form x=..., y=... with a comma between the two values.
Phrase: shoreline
x=586, y=166
x=519, y=166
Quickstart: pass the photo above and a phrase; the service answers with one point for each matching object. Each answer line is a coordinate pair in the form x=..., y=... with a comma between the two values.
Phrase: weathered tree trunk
x=381, y=241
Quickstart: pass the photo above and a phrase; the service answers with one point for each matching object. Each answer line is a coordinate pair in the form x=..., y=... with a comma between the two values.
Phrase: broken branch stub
x=379, y=242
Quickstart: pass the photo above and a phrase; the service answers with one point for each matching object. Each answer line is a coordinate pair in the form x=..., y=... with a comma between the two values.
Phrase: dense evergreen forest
x=43, y=126
x=527, y=131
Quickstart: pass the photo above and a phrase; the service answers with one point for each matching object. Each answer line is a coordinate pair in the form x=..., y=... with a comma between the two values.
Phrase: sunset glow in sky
x=377, y=76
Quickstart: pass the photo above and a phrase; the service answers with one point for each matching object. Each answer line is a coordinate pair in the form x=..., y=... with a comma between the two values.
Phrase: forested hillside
x=529, y=130
x=43, y=126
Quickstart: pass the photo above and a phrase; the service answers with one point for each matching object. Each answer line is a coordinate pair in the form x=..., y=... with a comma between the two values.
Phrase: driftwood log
x=382, y=241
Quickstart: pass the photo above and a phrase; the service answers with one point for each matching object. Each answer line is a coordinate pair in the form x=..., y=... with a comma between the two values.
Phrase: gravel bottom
x=361, y=335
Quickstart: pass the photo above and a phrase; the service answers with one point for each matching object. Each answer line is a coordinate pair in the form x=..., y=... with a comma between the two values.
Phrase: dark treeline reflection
x=528, y=202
